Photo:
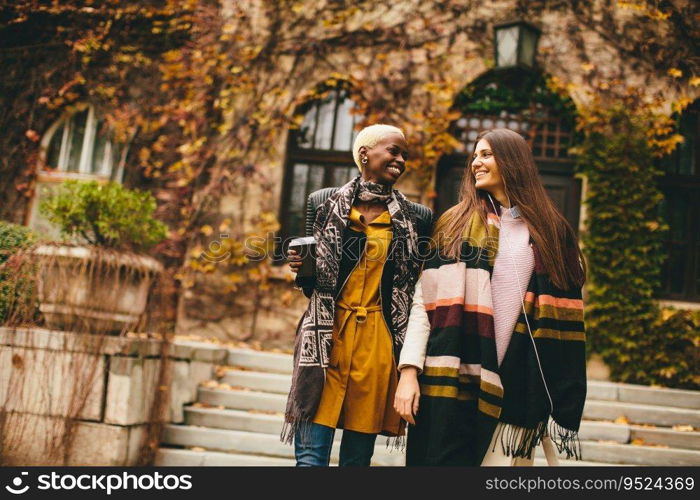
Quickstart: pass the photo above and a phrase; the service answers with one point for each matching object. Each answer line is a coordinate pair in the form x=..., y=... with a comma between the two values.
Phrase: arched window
x=517, y=99
x=77, y=146
x=80, y=143
x=681, y=209
x=319, y=154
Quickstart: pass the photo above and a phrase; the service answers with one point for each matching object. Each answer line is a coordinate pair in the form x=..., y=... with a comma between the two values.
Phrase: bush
x=623, y=243
x=677, y=364
x=106, y=215
x=669, y=355
x=12, y=289
x=12, y=238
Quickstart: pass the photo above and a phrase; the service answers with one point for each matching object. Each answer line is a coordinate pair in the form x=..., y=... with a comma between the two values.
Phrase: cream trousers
x=496, y=458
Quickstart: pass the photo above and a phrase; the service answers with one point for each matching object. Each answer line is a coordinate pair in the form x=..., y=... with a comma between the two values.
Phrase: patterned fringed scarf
x=372, y=191
x=464, y=393
x=314, y=334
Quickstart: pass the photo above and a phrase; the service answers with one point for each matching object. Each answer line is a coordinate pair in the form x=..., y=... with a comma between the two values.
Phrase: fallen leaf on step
x=197, y=448
x=622, y=420
x=198, y=338
x=641, y=442
x=647, y=426
x=210, y=383
x=202, y=405
x=280, y=350
x=683, y=428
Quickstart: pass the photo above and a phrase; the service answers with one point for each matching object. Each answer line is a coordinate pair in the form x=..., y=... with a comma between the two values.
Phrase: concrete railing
x=99, y=389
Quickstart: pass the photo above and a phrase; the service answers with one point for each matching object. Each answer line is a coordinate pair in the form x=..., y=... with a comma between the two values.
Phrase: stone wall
x=98, y=389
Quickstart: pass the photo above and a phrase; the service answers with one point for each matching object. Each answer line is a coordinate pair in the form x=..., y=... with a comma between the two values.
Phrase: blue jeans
x=356, y=448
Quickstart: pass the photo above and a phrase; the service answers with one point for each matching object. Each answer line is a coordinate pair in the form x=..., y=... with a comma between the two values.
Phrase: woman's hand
x=294, y=260
x=407, y=394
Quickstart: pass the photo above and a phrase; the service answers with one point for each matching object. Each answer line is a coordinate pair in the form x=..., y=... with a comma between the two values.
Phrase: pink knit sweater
x=513, y=245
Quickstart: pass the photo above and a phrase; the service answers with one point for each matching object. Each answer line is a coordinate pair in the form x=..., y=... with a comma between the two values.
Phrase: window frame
x=58, y=174
x=674, y=182
x=691, y=184
x=329, y=159
x=108, y=170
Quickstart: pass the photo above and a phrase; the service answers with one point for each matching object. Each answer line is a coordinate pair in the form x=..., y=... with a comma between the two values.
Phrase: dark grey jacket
x=354, y=243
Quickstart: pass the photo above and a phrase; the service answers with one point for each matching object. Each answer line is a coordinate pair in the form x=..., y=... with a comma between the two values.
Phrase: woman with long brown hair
x=495, y=345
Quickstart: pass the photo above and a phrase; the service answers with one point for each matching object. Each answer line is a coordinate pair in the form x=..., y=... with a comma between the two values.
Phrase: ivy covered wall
x=210, y=89
x=640, y=342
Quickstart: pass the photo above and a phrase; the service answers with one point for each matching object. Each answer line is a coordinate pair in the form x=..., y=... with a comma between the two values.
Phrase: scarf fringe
x=292, y=426
x=565, y=440
x=519, y=442
x=396, y=443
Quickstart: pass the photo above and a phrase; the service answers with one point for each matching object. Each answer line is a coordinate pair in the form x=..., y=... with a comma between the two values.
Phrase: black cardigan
x=354, y=243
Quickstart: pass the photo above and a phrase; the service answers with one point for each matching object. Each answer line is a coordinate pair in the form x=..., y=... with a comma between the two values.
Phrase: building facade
x=500, y=59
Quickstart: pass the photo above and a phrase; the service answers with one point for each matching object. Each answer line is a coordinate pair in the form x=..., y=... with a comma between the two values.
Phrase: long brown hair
x=556, y=241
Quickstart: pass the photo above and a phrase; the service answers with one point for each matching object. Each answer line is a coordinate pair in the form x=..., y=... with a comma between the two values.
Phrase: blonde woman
x=480, y=380
x=349, y=338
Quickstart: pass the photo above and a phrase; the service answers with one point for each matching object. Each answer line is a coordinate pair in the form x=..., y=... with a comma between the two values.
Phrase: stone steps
x=269, y=445
x=236, y=420
x=239, y=420
x=243, y=400
x=178, y=457
x=629, y=393
x=593, y=410
x=260, y=360
x=615, y=453
x=256, y=443
x=258, y=381
x=590, y=430
x=239, y=423
x=640, y=413
x=257, y=366
x=666, y=437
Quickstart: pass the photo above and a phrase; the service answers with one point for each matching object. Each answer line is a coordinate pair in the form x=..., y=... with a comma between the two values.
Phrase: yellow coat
x=361, y=378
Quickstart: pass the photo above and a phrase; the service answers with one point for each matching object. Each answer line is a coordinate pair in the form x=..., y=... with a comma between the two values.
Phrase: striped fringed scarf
x=464, y=393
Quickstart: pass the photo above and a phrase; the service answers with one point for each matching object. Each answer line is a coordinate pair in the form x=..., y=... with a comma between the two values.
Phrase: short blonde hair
x=370, y=136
